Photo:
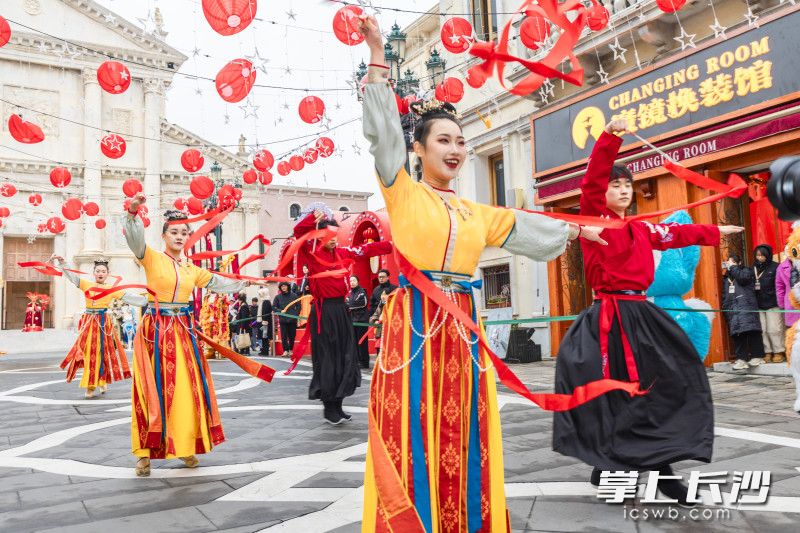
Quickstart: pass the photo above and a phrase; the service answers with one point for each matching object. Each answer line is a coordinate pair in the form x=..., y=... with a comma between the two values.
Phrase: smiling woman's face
x=444, y=150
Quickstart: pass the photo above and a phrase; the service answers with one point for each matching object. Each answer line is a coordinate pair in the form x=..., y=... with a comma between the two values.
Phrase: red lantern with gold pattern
x=228, y=17
x=23, y=131
x=192, y=160
x=55, y=225
x=114, y=77
x=113, y=146
x=369, y=234
x=60, y=177
x=311, y=109
x=310, y=155
x=325, y=146
x=235, y=80
x=263, y=160
x=72, y=209
x=8, y=190
x=456, y=35
x=345, y=25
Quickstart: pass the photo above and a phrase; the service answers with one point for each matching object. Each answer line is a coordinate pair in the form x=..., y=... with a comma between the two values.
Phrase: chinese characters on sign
x=750, y=487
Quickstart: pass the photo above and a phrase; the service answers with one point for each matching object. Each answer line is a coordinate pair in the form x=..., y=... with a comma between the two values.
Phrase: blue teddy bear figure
x=674, y=277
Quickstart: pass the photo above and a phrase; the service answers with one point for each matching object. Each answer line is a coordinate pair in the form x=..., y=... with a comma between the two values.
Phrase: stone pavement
x=65, y=462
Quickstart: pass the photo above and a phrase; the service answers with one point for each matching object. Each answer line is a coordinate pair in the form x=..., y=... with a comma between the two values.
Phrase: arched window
x=344, y=208
x=294, y=211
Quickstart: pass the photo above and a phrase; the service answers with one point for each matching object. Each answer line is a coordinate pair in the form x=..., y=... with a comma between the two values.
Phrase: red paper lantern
x=100, y=223
x=228, y=17
x=202, y=187
x=180, y=204
x=55, y=225
x=192, y=160
x=24, y=132
x=597, y=17
x=35, y=199
x=346, y=23
x=237, y=194
x=534, y=30
x=113, y=146
x=297, y=163
x=5, y=32
x=131, y=187
x=265, y=178
x=91, y=209
x=263, y=160
x=60, y=177
x=250, y=176
x=194, y=205
x=224, y=193
x=325, y=146
x=114, y=77
x=41, y=228
x=311, y=109
x=72, y=209
x=235, y=80
x=369, y=234
x=310, y=155
x=4, y=212
x=450, y=90
x=8, y=190
x=670, y=6
x=456, y=35
x=284, y=168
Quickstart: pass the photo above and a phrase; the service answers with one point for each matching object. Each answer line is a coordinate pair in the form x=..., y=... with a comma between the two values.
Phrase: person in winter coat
x=783, y=285
x=288, y=325
x=266, y=321
x=739, y=303
x=772, y=331
x=384, y=287
x=357, y=304
x=243, y=321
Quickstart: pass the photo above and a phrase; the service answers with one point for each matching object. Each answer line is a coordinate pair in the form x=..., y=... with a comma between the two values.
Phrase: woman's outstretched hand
x=730, y=230
x=371, y=31
x=136, y=201
x=592, y=233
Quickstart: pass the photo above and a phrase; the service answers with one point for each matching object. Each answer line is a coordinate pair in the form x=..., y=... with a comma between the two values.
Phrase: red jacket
x=338, y=286
x=627, y=262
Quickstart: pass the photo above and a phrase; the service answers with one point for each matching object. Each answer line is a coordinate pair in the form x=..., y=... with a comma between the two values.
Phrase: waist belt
x=451, y=281
x=609, y=308
x=169, y=309
x=96, y=311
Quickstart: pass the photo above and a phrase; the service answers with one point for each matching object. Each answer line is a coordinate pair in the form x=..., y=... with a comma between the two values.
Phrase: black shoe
x=595, y=479
x=346, y=416
x=331, y=414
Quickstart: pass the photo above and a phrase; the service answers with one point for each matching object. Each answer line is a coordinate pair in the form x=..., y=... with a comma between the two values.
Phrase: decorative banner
x=235, y=80
x=228, y=17
x=346, y=23
x=192, y=160
x=24, y=132
x=114, y=77
x=113, y=146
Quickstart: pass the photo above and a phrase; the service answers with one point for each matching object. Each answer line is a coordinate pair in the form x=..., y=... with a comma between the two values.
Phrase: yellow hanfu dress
x=174, y=408
x=98, y=349
x=435, y=459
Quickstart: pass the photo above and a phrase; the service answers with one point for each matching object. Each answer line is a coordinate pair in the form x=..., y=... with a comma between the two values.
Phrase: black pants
x=362, y=350
x=288, y=331
x=748, y=345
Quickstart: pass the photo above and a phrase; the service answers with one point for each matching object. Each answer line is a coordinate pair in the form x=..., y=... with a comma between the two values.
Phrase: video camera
x=783, y=187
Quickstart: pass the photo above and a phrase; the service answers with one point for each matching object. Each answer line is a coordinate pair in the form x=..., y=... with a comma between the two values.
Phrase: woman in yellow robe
x=174, y=407
x=435, y=459
x=98, y=349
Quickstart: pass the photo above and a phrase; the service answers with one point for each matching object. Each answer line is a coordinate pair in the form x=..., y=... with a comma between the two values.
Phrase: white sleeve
x=134, y=299
x=537, y=236
x=225, y=285
x=134, y=234
x=383, y=131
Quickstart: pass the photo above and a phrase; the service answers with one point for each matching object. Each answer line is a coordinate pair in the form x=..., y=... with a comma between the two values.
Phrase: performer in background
x=34, y=311
x=98, y=349
x=359, y=313
x=624, y=336
x=287, y=301
x=435, y=458
x=336, y=372
x=174, y=407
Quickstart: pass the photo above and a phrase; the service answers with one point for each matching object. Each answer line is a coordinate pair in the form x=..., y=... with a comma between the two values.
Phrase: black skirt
x=336, y=372
x=673, y=422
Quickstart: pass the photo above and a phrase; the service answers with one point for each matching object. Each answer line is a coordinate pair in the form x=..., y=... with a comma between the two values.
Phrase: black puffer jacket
x=766, y=272
x=358, y=305
x=281, y=301
x=742, y=299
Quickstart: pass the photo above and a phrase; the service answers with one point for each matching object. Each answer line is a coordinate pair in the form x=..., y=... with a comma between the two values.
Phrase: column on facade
x=92, y=179
x=250, y=225
x=153, y=111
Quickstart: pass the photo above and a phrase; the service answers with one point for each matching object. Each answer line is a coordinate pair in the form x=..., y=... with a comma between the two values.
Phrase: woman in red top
x=334, y=359
x=674, y=421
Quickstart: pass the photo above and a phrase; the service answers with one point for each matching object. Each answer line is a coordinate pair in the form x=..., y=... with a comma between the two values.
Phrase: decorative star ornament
x=198, y=91
x=109, y=18
x=356, y=149
x=338, y=106
x=548, y=87
x=543, y=96
x=686, y=40
x=752, y=19
x=285, y=105
x=280, y=120
x=195, y=51
x=31, y=239
x=288, y=70
x=259, y=63
x=618, y=50
x=250, y=109
x=291, y=14
x=227, y=118
x=603, y=75
x=718, y=29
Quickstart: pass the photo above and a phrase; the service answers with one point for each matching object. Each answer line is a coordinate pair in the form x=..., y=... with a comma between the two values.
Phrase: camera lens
x=783, y=187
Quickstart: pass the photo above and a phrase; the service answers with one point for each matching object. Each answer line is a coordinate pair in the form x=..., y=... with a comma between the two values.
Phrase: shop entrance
x=20, y=281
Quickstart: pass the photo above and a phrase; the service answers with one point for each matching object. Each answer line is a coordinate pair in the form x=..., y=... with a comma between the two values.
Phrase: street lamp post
x=435, y=65
x=396, y=48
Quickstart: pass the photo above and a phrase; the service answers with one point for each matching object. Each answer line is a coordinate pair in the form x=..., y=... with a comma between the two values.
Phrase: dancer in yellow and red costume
x=34, y=312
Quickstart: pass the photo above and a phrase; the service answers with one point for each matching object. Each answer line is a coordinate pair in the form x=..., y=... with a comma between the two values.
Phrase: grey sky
x=307, y=46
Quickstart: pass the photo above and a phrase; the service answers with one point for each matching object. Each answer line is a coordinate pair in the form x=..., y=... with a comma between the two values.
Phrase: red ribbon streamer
x=51, y=270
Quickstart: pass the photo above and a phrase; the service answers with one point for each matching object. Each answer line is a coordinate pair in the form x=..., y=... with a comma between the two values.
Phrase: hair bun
x=425, y=109
x=174, y=214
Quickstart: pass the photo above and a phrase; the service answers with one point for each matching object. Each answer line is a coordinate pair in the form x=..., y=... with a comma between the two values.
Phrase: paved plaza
x=65, y=462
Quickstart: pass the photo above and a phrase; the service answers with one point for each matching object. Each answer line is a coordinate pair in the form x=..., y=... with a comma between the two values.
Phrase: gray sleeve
x=134, y=299
x=537, y=236
x=225, y=285
x=383, y=131
x=70, y=276
x=134, y=234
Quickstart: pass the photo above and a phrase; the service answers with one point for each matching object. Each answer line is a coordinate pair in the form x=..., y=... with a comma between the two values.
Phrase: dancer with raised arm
x=98, y=349
x=625, y=337
x=435, y=459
